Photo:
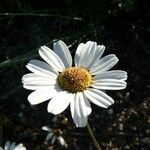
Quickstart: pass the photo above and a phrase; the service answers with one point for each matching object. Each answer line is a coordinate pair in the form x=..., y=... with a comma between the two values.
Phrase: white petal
x=53, y=140
x=85, y=54
x=61, y=140
x=98, y=97
x=89, y=54
x=45, y=128
x=7, y=145
x=109, y=84
x=104, y=64
x=113, y=74
x=77, y=54
x=41, y=68
x=12, y=146
x=97, y=53
x=35, y=87
x=22, y=148
x=33, y=82
x=51, y=58
x=39, y=84
x=63, y=52
x=82, y=53
x=82, y=105
x=19, y=147
x=79, y=121
x=60, y=102
x=42, y=95
x=32, y=77
x=49, y=136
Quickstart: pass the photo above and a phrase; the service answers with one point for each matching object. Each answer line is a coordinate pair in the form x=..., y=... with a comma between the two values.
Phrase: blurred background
x=121, y=25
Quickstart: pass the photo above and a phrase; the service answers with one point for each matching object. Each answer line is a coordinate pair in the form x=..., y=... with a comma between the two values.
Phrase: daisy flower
x=13, y=146
x=73, y=83
x=53, y=135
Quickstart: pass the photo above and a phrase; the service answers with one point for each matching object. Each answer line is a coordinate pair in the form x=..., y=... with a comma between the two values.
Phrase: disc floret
x=74, y=79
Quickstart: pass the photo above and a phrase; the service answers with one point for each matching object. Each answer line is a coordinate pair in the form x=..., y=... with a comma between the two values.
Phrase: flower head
x=54, y=135
x=13, y=146
x=75, y=83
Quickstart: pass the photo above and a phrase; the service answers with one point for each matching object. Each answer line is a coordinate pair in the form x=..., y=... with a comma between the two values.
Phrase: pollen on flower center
x=74, y=79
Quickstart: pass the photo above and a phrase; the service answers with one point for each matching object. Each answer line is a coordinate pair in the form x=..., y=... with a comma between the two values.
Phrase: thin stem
x=40, y=15
x=93, y=137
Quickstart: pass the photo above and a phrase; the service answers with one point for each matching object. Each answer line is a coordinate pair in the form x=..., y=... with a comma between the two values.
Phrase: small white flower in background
x=75, y=83
x=13, y=146
x=51, y=136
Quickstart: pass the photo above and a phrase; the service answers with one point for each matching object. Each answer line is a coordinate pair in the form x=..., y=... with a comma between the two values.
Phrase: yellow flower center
x=74, y=79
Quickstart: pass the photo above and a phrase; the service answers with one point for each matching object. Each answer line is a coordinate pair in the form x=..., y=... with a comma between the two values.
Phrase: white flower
x=75, y=83
x=51, y=136
x=13, y=146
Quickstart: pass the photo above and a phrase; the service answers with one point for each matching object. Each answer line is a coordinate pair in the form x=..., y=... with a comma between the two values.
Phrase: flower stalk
x=93, y=137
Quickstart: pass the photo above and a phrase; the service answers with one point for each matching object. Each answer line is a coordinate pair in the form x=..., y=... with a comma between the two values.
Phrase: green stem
x=93, y=137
